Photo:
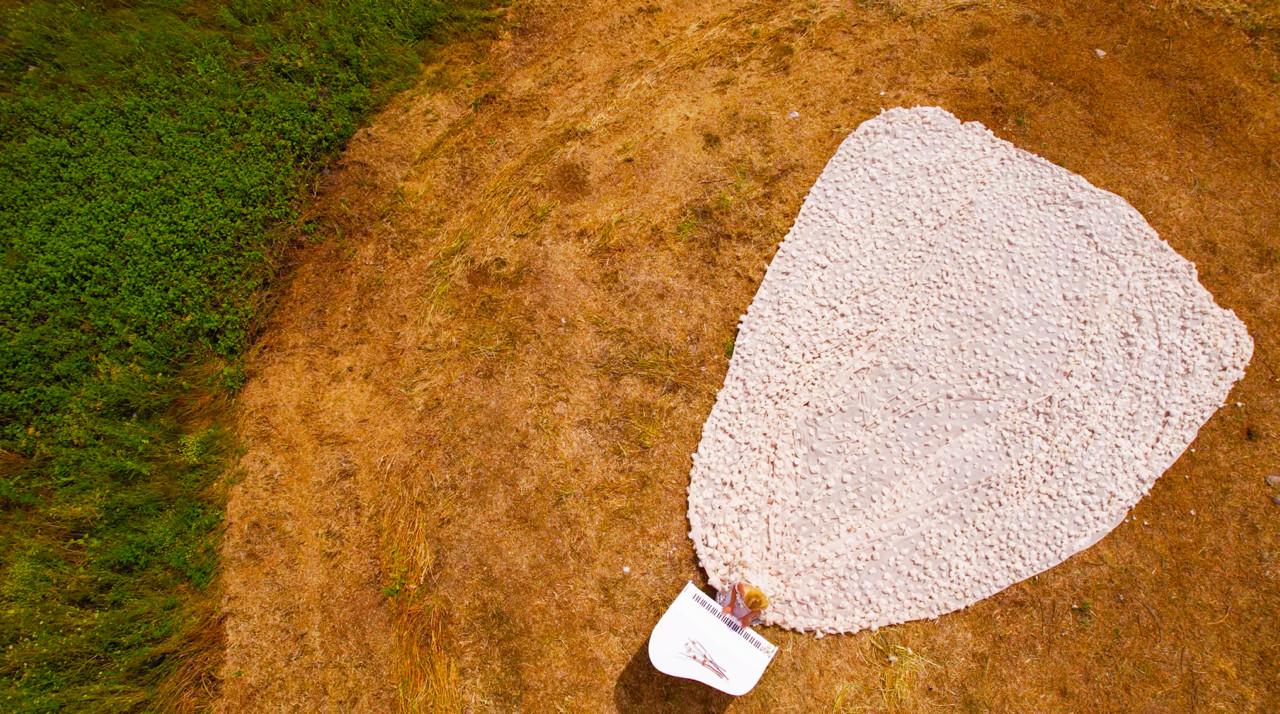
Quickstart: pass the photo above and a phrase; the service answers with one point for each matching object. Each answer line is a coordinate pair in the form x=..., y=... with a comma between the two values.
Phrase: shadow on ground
x=641, y=688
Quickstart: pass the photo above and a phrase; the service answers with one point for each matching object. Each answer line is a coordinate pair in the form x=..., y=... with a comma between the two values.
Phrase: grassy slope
x=148, y=149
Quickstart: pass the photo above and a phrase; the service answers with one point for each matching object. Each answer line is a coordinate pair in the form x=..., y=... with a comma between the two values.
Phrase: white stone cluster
x=964, y=365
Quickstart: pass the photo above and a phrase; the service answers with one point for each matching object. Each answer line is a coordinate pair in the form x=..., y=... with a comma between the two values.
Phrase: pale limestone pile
x=964, y=365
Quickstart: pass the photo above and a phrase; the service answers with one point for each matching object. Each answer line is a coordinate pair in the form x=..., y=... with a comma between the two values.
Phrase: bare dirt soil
x=475, y=399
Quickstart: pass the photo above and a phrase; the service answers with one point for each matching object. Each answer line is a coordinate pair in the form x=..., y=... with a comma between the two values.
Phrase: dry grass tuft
x=900, y=680
x=904, y=676
x=429, y=682
x=195, y=684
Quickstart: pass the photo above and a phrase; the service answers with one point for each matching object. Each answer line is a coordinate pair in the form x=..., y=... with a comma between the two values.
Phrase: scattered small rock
x=1276, y=500
x=793, y=115
x=1273, y=480
x=1100, y=53
x=626, y=569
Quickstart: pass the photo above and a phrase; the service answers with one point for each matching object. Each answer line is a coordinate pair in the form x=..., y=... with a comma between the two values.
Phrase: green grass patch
x=149, y=154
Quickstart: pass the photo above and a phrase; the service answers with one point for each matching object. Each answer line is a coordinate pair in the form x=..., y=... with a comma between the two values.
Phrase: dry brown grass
x=194, y=684
x=476, y=403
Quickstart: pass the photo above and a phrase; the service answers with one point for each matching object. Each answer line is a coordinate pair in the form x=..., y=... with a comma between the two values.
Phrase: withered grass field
x=475, y=398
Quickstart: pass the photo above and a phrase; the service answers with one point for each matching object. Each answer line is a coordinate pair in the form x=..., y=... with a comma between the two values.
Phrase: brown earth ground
x=475, y=398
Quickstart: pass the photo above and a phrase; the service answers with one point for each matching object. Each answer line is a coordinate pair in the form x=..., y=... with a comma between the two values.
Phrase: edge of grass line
x=149, y=155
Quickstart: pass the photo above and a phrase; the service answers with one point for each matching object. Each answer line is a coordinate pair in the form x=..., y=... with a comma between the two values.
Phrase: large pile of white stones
x=964, y=365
